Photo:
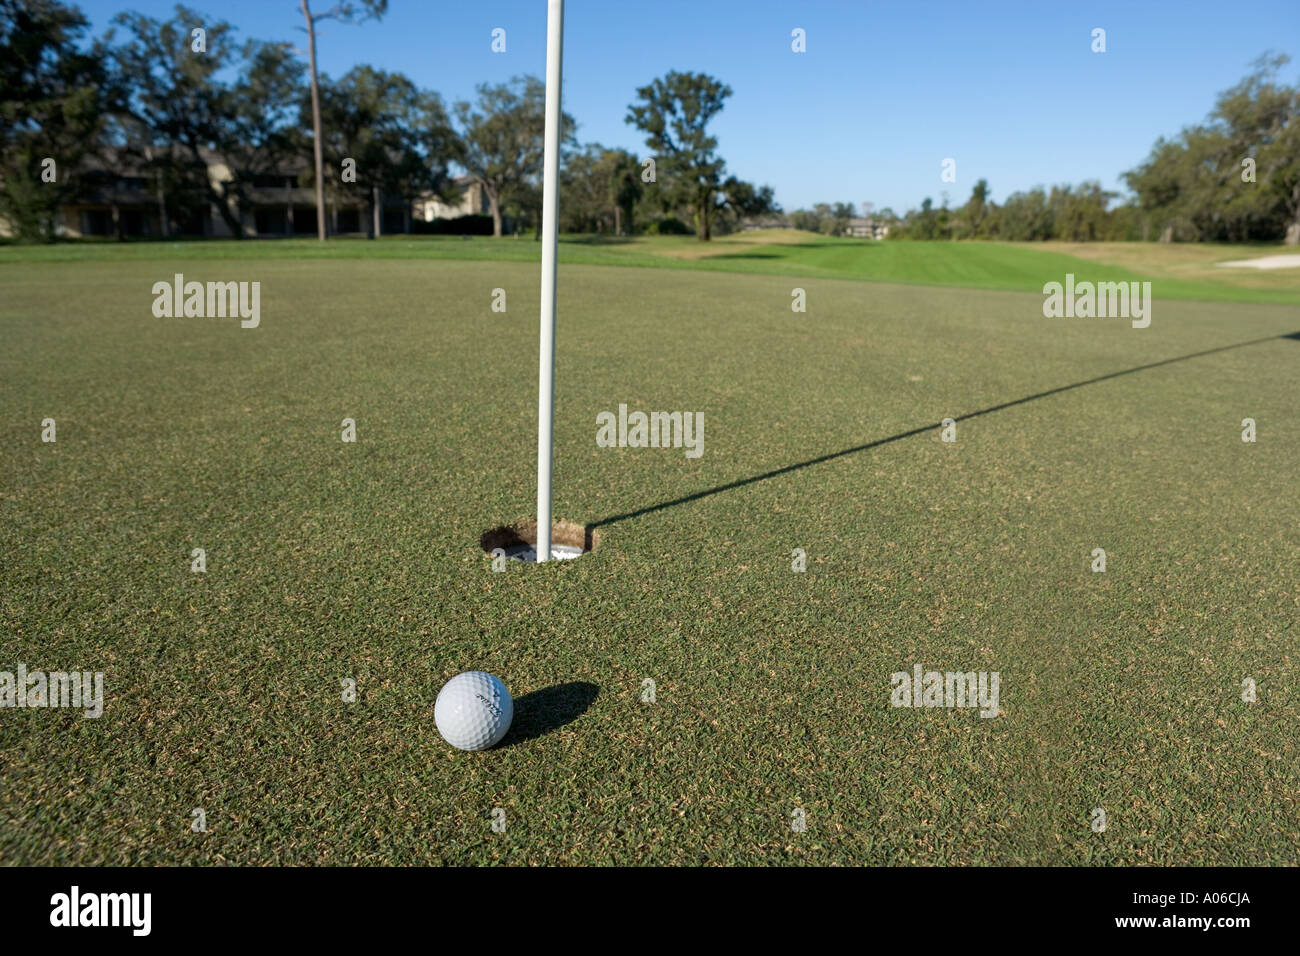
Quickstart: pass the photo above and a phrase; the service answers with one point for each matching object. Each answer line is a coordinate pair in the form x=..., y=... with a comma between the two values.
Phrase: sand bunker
x=1267, y=262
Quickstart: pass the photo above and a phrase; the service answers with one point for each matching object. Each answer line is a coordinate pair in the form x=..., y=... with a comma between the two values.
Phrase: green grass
x=328, y=560
x=1020, y=267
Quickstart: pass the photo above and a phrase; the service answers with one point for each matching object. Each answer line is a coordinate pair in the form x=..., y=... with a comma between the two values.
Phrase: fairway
x=1184, y=271
x=330, y=561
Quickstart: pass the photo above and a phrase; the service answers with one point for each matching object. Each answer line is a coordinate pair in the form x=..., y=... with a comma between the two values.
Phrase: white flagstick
x=550, y=236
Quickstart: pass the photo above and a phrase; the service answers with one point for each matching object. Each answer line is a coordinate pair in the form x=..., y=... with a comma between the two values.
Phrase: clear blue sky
x=885, y=91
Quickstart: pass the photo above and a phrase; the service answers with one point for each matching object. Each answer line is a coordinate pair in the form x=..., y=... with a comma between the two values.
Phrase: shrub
x=669, y=226
x=460, y=226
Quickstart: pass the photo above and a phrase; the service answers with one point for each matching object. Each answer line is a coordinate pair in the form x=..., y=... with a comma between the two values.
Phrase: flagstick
x=550, y=238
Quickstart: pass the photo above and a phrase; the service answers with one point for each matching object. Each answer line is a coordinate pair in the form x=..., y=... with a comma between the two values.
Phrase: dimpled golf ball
x=473, y=711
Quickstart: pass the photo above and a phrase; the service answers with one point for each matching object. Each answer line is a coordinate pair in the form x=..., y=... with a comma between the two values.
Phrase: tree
x=583, y=195
x=620, y=174
x=976, y=210
x=927, y=223
x=743, y=200
x=829, y=219
x=346, y=12
x=1079, y=214
x=841, y=213
x=53, y=101
x=1196, y=186
x=398, y=137
x=1260, y=119
x=264, y=121
x=1026, y=216
x=523, y=204
x=600, y=189
x=805, y=220
x=674, y=113
x=503, y=136
x=1182, y=187
x=178, y=107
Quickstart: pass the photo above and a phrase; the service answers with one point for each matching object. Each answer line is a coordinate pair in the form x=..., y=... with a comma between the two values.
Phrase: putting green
x=330, y=562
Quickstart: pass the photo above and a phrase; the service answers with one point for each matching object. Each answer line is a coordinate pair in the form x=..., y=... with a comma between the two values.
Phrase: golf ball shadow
x=543, y=711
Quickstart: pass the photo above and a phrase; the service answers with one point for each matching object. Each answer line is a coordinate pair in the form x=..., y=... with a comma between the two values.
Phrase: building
x=472, y=201
x=870, y=228
x=124, y=198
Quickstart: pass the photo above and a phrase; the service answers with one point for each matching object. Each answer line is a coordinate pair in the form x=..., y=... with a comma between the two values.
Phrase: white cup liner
x=528, y=552
x=519, y=541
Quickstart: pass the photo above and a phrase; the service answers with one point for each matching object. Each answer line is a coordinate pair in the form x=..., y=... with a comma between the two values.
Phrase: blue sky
x=885, y=91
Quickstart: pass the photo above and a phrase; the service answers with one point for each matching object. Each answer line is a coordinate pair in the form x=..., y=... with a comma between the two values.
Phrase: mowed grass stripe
x=1177, y=271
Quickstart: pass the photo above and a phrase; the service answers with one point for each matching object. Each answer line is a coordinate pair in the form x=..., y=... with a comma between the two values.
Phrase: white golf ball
x=473, y=711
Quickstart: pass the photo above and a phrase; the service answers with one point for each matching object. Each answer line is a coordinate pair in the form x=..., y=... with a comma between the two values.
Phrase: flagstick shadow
x=776, y=472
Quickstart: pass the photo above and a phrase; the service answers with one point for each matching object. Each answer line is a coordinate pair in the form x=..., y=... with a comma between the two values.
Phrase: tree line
x=155, y=97
x=168, y=98
x=1233, y=178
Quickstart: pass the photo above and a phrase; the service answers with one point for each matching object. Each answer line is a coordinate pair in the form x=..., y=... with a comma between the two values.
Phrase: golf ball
x=473, y=711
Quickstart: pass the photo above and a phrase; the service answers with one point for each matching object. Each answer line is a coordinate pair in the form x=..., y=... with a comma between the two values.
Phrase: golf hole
x=519, y=541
